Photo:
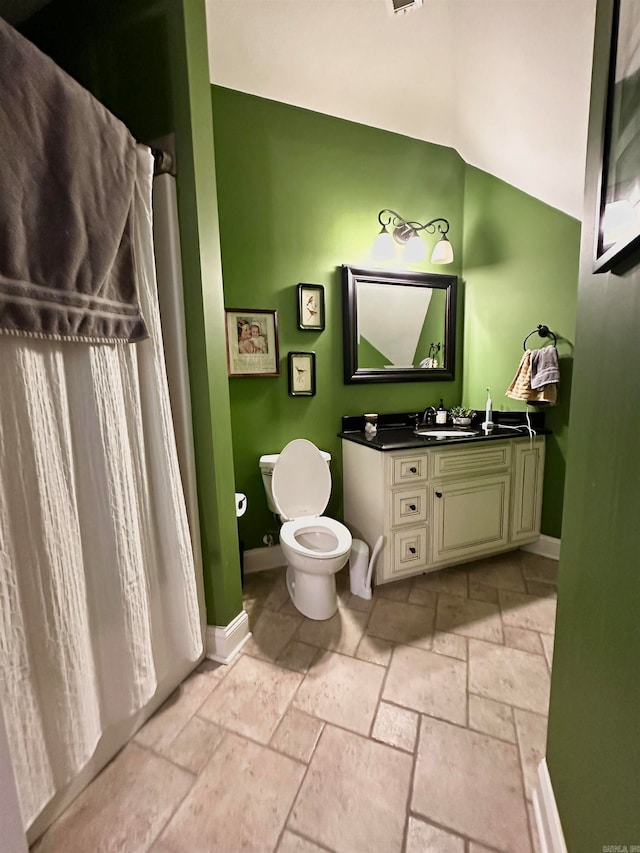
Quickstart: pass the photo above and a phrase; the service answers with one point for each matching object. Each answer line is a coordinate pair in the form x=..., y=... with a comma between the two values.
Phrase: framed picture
x=252, y=342
x=311, y=307
x=302, y=374
x=618, y=232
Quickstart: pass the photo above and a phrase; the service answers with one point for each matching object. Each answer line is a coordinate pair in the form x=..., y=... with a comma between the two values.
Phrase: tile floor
x=413, y=722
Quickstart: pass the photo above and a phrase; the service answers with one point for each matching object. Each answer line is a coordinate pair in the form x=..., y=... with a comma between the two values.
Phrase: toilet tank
x=267, y=464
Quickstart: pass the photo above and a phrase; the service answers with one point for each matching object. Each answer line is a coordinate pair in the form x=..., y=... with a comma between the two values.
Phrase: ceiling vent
x=401, y=7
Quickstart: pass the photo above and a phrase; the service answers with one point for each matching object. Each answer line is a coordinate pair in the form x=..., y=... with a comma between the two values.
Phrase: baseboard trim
x=545, y=546
x=546, y=813
x=262, y=559
x=223, y=642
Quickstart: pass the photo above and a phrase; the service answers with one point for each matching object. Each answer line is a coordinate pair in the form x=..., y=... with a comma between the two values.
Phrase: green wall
x=298, y=196
x=593, y=748
x=148, y=63
x=521, y=269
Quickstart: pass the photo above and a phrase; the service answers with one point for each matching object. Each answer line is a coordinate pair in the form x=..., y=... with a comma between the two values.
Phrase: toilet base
x=313, y=595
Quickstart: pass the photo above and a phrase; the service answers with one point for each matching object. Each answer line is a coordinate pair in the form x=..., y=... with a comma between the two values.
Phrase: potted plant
x=461, y=415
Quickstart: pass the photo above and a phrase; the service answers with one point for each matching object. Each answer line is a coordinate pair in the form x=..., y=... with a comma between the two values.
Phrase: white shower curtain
x=97, y=586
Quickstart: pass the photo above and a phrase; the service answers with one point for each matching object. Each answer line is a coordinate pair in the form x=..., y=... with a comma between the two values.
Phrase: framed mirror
x=398, y=326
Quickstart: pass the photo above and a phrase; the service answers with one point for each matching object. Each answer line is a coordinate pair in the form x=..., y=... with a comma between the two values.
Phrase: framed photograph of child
x=252, y=342
x=311, y=307
x=302, y=374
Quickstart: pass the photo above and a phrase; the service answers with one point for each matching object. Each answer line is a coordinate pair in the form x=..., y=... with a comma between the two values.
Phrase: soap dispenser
x=441, y=414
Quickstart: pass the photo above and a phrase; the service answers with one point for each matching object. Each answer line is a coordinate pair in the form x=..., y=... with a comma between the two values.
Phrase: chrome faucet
x=429, y=416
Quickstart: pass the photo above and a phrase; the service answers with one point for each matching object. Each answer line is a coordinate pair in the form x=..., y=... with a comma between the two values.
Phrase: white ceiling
x=504, y=82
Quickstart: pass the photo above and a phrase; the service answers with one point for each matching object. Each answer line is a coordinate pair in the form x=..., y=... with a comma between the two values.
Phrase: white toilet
x=297, y=482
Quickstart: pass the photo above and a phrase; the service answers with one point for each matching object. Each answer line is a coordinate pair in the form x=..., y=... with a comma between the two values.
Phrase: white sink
x=430, y=432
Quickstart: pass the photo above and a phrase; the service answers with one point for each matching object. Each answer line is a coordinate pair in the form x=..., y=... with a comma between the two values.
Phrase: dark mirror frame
x=351, y=276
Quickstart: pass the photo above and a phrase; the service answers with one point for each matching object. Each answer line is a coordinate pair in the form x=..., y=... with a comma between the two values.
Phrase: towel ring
x=543, y=331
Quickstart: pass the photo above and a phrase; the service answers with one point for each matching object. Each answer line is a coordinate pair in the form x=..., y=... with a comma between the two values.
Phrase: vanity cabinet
x=439, y=506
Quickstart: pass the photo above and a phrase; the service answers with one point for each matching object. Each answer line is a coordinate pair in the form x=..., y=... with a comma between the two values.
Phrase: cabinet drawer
x=408, y=469
x=409, y=507
x=457, y=461
x=409, y=550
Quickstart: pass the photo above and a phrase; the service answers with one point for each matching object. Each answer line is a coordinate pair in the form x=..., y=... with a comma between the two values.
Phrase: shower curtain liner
x=97, y=585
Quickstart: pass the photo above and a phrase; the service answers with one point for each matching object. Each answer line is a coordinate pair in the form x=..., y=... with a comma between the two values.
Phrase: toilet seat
x=301, y=482
x=322, y=524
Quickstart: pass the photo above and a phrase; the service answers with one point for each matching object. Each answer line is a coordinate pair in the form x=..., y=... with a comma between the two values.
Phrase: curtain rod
x=163, y=162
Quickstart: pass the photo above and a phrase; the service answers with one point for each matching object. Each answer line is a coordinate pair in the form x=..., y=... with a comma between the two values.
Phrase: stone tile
x=492, y=718
x=271, y=633
x=547, y=645
x=354, y=796
x=212, y=668
x=252, y=699
x=374, y=650
x=297, y=656
x=341, y=633
x=258, y=585
x=193, y=747
x=541, y=590
x=292, y=843
x=423, y=596
x=424, y=838
x=509, y=675
x=278, y=595
x=479, y=619
x=449, y=644
x=123, y=809
x=452, y=581
x=240, y=801
x=480, y=848
x=253, y=609
x=396, y=590
x=471, y=784
x=341, y=690
x=527, y=611
x=396, y=726
x=480, y=592
x=520, y=638
x=539, y=568
x=502, y=572
x=400, y=622
x=297, y=735
x=172, y=717
x=355, y=602
x=532, y=740
x=289, y=608
x=429, y=683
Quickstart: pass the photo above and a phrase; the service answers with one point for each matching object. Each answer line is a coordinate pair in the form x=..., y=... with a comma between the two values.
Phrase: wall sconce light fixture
x=405, y=233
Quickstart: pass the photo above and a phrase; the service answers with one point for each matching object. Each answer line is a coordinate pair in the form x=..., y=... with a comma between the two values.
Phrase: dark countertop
x=395, y=431
x=403, y=438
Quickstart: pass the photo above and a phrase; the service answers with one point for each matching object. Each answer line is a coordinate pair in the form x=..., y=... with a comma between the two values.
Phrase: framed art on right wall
x=618, y=215
x=311, y=307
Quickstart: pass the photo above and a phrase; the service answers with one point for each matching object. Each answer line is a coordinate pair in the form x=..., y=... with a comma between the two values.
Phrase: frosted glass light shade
x=442, y=252
x=414, y=251
x=383, y=248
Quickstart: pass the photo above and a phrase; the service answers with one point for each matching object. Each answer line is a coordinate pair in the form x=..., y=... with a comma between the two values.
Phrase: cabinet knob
x=412, y=550
x=438, y=494
x=414, y=470
x=412, y=507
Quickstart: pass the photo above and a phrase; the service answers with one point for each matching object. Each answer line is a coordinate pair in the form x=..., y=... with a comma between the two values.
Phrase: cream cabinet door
x=469, y=518
x=528, y=471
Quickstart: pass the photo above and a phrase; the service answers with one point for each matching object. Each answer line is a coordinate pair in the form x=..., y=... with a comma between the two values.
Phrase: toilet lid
x=301, y=482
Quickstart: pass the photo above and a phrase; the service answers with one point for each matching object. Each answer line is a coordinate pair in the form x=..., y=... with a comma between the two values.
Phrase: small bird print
x=311, y=307
x=300, y=371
